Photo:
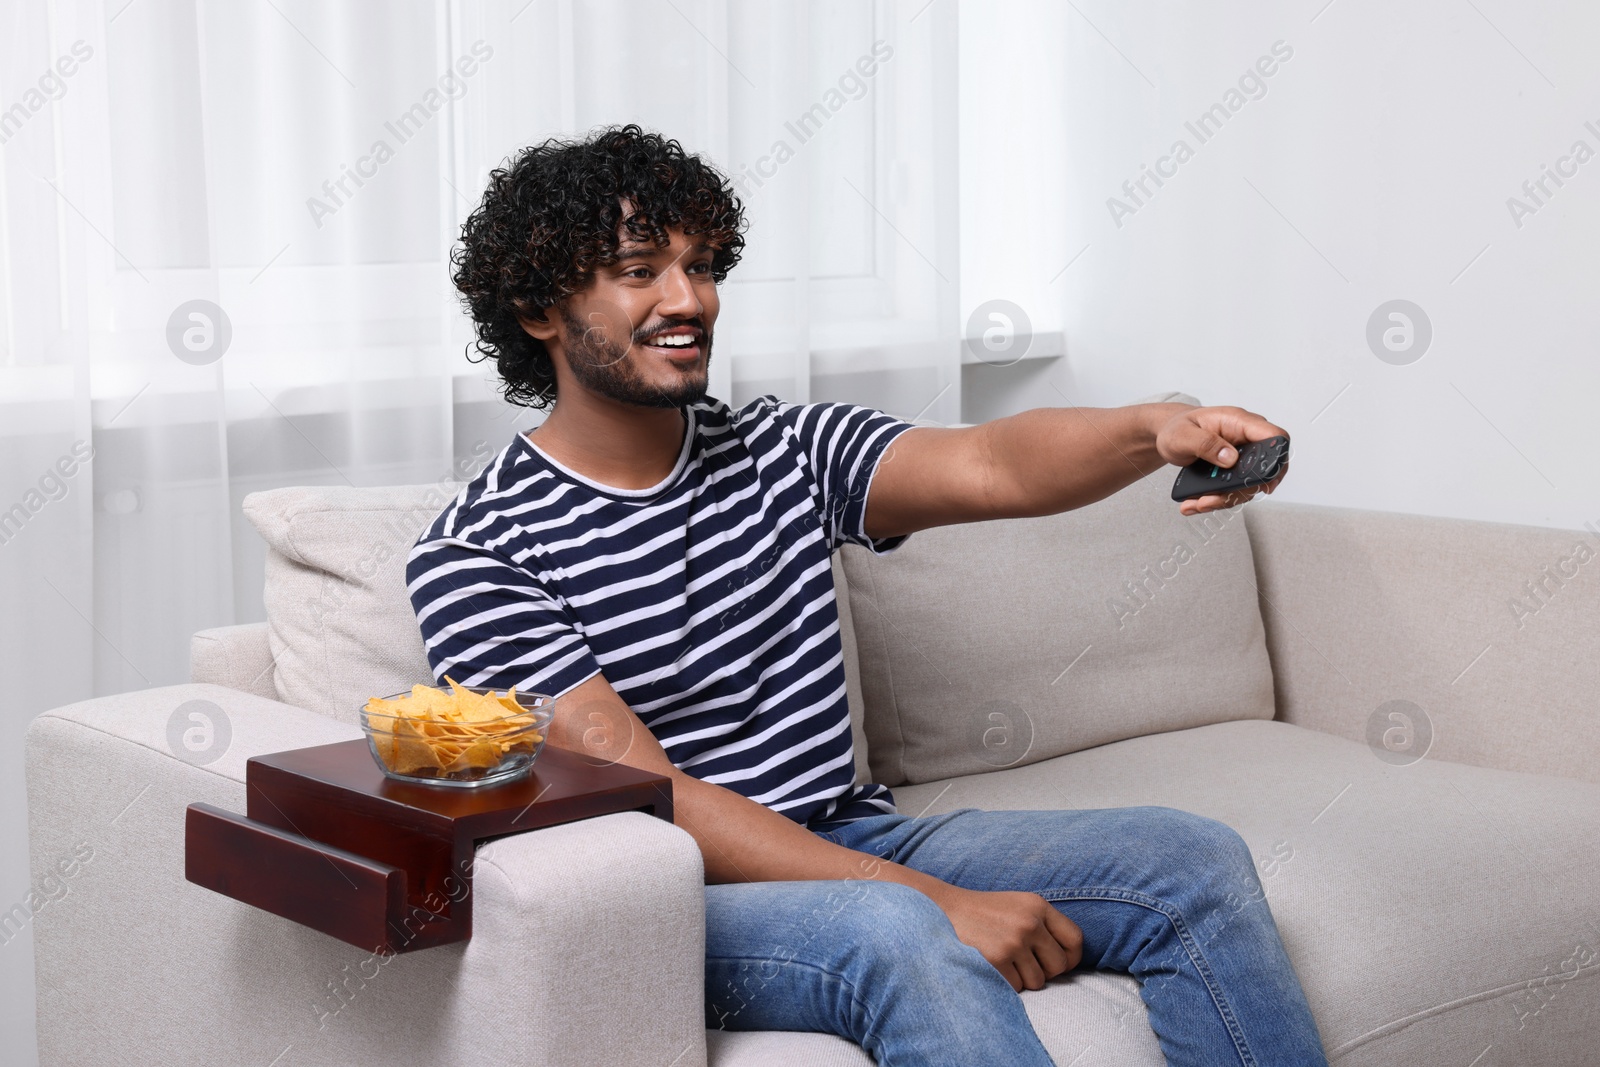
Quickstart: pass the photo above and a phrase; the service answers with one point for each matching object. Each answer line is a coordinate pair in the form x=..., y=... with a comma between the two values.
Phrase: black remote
x=1259, y=462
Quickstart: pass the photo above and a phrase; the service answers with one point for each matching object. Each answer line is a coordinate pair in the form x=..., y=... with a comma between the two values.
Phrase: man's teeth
x=681, y=340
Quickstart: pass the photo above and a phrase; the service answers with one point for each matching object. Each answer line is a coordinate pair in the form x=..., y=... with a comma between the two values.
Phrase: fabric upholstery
x=237, y=657
x=1002, y=643
x=1101, y=1022
x=575, y=927
x=1417, y=902
x=341, y=625
x=1490, y=629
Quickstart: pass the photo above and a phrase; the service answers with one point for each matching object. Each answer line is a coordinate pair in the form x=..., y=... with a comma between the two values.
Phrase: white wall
x=1377, y=166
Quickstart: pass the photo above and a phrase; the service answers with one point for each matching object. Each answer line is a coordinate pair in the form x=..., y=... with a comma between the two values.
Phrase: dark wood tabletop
x=329, y=841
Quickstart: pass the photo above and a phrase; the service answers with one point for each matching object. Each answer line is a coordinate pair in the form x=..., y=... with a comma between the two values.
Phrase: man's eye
x=637, y=272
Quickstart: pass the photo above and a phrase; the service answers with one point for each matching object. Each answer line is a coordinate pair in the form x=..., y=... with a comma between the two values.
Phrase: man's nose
x=678, y=296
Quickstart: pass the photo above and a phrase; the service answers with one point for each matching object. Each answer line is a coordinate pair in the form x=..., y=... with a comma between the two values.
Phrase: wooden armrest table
x=329, y=841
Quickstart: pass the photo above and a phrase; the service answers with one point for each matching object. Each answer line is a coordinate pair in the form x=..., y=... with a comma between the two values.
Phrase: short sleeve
x=487, y=622
x=843, y=444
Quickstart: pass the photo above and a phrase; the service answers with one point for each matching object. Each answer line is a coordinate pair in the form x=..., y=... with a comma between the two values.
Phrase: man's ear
x=539, y=324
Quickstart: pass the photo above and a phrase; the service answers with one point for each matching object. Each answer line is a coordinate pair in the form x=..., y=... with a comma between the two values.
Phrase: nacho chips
x=460, y=735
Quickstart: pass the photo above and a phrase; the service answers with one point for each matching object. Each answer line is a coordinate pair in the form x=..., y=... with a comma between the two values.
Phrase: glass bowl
x=433, y=751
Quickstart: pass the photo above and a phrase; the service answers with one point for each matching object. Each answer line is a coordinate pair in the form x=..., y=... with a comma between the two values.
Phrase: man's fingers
x=1218, y=450
x=1201, y=504
x=1028, y=970
x=1239, y=424
x=1009, y=972
x=1213, y=434
x=1204, y=442
x=1053, y=958
x=1067, y=935
x=1219, y=501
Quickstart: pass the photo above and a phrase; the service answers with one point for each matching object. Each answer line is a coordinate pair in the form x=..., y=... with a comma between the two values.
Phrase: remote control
x=1259, y=462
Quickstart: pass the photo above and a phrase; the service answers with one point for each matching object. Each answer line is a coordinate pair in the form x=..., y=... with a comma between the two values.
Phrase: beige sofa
x=1414, y=760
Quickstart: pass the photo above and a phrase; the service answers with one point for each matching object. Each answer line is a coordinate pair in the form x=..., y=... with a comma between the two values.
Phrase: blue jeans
x=1168, y=897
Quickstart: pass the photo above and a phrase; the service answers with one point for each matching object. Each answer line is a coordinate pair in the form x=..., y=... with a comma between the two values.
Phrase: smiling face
x=641, y=332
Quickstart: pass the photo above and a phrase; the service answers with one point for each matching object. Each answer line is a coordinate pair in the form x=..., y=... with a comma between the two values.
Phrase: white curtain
x=224, y=231
x=302, y=168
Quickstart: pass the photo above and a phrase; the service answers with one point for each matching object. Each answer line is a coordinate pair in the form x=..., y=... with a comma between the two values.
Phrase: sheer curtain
x=224, y=230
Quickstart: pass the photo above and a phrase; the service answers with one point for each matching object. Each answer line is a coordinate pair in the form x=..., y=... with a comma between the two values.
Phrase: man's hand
x=1021, y=934
x=1213, y=434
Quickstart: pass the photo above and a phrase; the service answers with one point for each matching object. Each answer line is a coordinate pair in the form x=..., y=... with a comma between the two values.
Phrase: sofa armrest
x=237, y=657
x=588, y=943
x=1489, y=628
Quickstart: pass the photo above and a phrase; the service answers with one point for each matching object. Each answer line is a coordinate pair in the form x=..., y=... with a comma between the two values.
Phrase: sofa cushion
x=1430, y=910
x=997, y=644
x=1093, y=1010
x=1462, y=618
x=236, y=657
x=338, y=617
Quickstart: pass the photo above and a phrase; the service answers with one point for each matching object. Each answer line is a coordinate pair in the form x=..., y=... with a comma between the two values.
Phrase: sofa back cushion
x=338, y=617
x=1002, y=643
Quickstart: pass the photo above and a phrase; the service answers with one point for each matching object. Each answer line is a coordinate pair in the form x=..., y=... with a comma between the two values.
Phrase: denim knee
x=1210, y=836
x=889, y=921
x=1206, y=857
x=890, y=936
x=901, y=955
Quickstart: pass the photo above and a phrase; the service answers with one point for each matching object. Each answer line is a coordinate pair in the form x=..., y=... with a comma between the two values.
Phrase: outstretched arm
x=1049, y=460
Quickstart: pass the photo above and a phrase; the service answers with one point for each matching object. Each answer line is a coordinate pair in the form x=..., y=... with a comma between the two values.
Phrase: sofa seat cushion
x=1103, y=1012
x=1431, y=910
x=997, y=644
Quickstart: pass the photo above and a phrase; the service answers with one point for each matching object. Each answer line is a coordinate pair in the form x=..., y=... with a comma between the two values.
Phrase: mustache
x=641, y=336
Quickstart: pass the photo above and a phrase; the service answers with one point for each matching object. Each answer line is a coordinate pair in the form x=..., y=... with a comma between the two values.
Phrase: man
x=661, y=563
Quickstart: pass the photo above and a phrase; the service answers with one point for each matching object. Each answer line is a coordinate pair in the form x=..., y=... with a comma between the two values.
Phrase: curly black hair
x=549, y=219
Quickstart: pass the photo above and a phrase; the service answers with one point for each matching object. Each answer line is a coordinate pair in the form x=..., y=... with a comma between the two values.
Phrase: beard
x=606, y=367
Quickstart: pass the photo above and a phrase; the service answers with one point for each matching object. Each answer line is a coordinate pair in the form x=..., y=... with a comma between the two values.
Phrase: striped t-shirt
x=707, y=600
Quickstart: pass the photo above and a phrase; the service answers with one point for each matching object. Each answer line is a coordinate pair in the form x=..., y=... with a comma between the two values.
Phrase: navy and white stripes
x=706, y=601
